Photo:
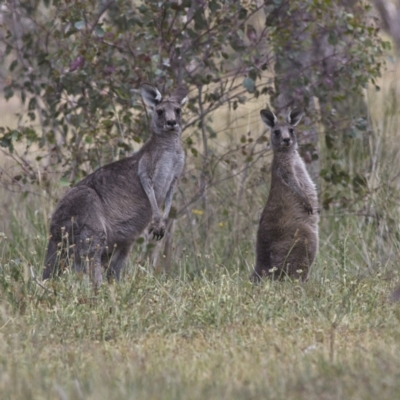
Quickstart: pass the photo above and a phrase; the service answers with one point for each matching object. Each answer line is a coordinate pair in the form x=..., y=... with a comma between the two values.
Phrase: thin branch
x=99, y=15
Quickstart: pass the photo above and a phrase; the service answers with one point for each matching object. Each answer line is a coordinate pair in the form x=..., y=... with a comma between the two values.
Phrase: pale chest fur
x=168, y=165
x=289, y=180
x=304, y=180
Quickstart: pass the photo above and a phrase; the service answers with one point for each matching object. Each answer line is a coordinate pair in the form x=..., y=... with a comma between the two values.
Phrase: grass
x=209, y=334
x=203, y=331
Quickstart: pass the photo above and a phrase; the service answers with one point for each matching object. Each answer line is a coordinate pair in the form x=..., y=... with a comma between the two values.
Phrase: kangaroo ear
x=268, y=118
x=180, y=95
x=294, y=117
x=151, y=96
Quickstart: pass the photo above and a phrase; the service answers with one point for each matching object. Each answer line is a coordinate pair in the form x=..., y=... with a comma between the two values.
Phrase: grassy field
x=213, y=335
x=203, y=331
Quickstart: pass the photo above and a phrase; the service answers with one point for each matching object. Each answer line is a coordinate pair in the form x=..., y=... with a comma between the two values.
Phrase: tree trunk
x=390, y=19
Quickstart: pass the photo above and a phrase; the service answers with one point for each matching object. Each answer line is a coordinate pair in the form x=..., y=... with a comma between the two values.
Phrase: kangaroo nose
x=286, y=140
x=171, y=123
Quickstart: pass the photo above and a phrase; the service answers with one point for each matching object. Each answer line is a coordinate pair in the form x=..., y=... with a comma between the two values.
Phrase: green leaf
x=8, y=50
x=79, y=25
x=253, y=74
x=6, y=141
x=143, y=9
x=333, y=38
x=211, y=131
x=214, y=5
x=200, y=22
x=32, y=104
x=99, y=31
x=13, y=65
x=8, y=92
x=242, y=13
x=249, y=84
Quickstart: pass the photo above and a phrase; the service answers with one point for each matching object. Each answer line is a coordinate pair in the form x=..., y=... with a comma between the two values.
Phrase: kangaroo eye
x=178, y=111
x=277, y=132
x=291, y=131
x=160, y=113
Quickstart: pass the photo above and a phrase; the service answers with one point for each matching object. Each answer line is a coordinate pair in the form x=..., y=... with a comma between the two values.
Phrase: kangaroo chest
x=168, y=166
x=290, y=183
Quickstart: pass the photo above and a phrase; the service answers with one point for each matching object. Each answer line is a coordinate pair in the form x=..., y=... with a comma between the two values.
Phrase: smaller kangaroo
x=98, y=220
x=287, y=238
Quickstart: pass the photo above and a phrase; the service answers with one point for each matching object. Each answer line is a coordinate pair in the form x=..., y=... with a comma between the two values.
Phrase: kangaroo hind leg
x=89, y=249
x=117, y=261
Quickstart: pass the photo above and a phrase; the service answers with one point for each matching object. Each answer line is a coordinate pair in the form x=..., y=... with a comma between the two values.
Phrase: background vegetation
x=185, y=321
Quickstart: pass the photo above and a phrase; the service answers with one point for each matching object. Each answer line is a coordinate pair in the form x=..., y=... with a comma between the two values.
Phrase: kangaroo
x=99, y=219
x=287, y=238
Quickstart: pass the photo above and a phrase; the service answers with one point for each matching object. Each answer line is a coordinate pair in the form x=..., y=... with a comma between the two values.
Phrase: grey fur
x=104, y=213
x=287, y=238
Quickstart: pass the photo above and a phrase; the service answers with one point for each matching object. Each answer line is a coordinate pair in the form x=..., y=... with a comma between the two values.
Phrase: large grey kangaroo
x=287, y=238
x=98, y=220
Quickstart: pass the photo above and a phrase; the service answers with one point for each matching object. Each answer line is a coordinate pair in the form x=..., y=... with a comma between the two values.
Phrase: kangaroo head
x=167, y=111
x=283, y=137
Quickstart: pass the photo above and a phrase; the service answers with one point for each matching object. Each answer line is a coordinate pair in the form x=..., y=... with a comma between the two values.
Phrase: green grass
x=206, y=335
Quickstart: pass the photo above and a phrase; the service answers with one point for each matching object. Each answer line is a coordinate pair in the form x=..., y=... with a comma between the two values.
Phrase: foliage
x=77, y=69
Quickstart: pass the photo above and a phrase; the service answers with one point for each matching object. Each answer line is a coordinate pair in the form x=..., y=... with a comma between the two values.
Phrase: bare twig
x=99, y=15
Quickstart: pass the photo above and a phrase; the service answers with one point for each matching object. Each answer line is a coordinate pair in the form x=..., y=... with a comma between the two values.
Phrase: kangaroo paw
x=308, y=208
x=158, y=230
